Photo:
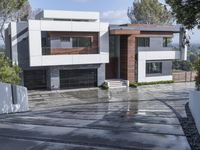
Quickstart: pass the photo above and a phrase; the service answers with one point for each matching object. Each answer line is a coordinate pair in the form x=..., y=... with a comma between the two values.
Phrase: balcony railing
x=69, y=51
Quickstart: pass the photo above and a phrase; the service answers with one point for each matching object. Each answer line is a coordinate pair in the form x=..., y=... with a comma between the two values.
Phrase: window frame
x=149, y=71
x=167, y=41
x=144, y=43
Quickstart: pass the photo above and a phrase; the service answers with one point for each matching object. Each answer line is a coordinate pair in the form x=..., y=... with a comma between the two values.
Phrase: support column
x=101, y=74
x=127, y=57
x=53, y=77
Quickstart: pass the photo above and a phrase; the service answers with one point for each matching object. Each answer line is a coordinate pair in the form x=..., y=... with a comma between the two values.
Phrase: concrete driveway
x=143, y=118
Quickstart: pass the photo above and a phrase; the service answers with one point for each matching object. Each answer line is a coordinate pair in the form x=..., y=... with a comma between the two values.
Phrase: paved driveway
x=143, y=118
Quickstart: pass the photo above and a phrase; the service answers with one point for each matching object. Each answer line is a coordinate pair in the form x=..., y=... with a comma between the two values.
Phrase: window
x=81, y=42
x=144, y=42
x=167, y=41
x=153, y=67
x=64, y=39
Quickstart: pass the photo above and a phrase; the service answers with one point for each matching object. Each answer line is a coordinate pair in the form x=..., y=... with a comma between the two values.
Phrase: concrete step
x=117, y=83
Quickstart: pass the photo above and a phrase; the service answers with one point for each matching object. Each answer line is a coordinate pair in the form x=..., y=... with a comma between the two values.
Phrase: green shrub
x=9, y=73
x=197, y=78
x=134, y=84
x=104, y=86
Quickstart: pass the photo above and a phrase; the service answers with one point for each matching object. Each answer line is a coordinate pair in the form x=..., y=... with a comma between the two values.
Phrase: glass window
x=153, y=67
x=144, y=42
x=167, y=41
x=65, y=42
x=81, y=42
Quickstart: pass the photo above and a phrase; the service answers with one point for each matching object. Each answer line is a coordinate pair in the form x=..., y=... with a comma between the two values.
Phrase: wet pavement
x=142, y=118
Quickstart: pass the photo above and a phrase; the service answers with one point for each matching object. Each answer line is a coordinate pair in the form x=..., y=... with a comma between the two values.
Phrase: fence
x=184, y=76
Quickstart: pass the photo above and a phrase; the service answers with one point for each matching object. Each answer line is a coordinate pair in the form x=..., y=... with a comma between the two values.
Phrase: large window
x=153, y=67
x=70, y=42
x=144, y=42
x=81, y=42
x=167, y=41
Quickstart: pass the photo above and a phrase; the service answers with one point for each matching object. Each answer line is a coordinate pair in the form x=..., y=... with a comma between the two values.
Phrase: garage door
x=35, y=79
x=81, y=78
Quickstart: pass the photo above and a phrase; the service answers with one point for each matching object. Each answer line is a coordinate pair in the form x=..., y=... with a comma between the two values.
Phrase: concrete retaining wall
x=194, y=105
x=13, y=98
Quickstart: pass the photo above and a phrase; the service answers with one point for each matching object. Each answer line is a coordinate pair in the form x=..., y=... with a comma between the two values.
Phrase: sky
x=112, y=11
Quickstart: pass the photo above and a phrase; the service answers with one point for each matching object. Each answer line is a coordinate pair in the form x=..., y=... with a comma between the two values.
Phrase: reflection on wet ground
x=142, y=118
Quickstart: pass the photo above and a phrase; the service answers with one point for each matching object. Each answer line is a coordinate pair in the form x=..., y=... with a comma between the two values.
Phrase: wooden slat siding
x=127, y=57
x=124, y=32
x=94, y=49
x=184, y=76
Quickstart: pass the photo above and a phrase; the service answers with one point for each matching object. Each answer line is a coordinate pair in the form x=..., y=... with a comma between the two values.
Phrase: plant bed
x=104, y=86
x=135, y=84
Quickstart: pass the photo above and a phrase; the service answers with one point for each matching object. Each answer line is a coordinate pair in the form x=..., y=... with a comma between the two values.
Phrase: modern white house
x=60, y=49
x=67, y=49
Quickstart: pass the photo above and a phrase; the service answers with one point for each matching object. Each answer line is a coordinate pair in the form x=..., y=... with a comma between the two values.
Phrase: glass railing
x=69, y=51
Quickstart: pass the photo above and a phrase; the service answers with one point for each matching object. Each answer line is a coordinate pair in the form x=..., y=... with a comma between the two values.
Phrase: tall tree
x=8, y=9
x=149, y=12
x=187, y=12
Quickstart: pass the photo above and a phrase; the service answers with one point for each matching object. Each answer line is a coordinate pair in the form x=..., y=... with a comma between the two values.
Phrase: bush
x=134, y=84
x=104, y=86
x=197, y=78
x=9, y=73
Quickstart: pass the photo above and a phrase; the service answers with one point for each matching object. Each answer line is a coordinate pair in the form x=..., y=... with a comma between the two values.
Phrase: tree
x=149, y=12
x=187, y=12
x=197, y=78
x=24, y=13
x=8, y=9
x=9, y=73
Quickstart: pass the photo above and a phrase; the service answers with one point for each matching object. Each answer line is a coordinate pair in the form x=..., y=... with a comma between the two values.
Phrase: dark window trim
x=144, y=43
x=165, y=41
x=157, y=73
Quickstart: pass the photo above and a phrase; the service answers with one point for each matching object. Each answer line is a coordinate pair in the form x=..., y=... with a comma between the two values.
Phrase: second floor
x=72, y=38
x=76, y=38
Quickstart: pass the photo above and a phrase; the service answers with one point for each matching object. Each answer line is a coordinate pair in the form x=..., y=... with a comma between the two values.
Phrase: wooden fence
x=184, y=76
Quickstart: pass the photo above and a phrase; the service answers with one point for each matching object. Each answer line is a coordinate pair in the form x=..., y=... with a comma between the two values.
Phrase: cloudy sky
x=112, y=11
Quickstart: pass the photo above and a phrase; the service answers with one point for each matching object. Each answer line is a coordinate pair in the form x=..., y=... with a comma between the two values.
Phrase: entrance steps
x=117, y=83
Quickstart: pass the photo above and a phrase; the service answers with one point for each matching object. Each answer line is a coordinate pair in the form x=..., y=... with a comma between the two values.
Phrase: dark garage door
x=79, y=78
x=35, y=79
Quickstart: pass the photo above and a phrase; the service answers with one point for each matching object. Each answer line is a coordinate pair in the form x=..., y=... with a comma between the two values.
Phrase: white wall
x=35, y=48
x=19, y=95
x=155, y=52
x=60, y=14
x=194, y=104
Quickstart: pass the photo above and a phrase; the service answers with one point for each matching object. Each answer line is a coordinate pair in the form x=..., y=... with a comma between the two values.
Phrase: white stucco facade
x=35, y=48
x=156, y=52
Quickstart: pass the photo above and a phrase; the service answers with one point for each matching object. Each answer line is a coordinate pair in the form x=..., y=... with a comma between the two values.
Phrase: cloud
x=115, y=16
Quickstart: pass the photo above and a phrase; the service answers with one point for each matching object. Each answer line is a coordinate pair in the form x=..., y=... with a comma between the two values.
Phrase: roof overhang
x=124, y=32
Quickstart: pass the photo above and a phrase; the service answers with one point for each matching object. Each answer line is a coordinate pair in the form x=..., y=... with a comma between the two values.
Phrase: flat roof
x=147, y=27
x=73, y=15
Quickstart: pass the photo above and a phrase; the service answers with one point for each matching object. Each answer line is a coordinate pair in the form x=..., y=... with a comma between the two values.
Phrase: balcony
x=69, y=51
